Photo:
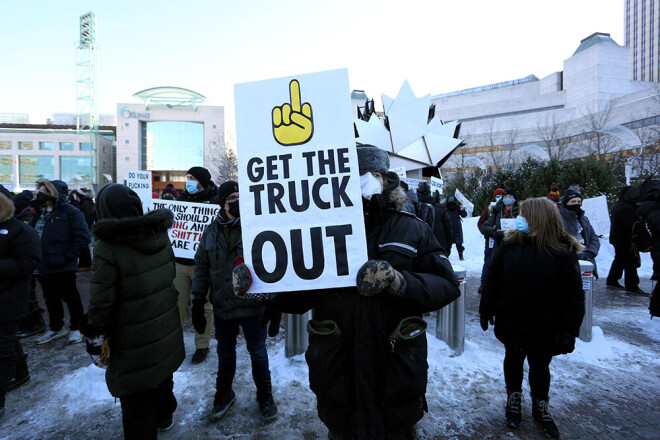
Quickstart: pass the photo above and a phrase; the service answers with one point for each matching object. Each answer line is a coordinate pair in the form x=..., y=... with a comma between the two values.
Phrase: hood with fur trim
x=6, y=208
x=146, y=233
x=52, y=191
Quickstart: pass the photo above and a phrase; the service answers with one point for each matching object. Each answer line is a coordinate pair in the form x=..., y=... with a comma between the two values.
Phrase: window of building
x=46, y=146
x=5, y=145
x=6, y=169
x=74, y=168
x=25, y=145
x=66, y=146
x=126, y=141
x=85, y=146
x=33, y=168
x=126, y=124
x=214, y=126
x=171, y=145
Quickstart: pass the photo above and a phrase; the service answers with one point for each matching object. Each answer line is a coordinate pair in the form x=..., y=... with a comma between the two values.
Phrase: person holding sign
x=199, y=189
x=578, y=225
x=220, y=246
x=367, y=344
x=502, y=218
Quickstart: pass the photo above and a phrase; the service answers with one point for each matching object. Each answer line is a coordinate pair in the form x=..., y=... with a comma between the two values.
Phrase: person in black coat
x=367, y=344
x=533, y=294
x=622, y=218
x=19, y=257
x=650, y=211
x=456, y=211
x=442, y=229
x=86, y=205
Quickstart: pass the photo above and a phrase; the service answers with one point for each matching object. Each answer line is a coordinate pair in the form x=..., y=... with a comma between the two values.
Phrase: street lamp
x=480, y=163
x=631, y=140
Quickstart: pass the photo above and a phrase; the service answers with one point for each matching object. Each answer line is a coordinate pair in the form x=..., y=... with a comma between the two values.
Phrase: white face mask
x=370, y=185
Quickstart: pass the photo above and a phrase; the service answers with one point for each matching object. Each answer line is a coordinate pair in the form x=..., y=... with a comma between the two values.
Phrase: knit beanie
x=22, y=199
x=201, y=174
x=117, y=201
x=423, y=188
x=497, y=192
x=225, y=190
x=568, y=195
x=554, y=194
x=510, y=191
x=169, y=189
x=372, y=158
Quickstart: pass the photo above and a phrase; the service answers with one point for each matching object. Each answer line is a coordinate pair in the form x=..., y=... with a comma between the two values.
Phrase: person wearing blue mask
x=533, y=295
x=488, y=249
x=506, y=209
x=199, y=189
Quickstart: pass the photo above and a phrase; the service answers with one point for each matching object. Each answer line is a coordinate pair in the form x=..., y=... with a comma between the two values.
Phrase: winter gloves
x=484, y=320
x=198, y=319
x=273, y=317
x=376, y=276
x=242, y=278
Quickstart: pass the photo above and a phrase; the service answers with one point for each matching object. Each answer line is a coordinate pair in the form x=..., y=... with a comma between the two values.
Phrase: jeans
x=141, y=412
x=255, y=338
x=539, y=371
x=58, y=287
x=10, y=352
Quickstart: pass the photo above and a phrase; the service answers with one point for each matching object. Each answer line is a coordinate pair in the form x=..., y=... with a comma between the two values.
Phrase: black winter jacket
x=215, y=260
x=650, y=210
x=455, y=213
x=134, y=303
x=591, y=241
x=492, y=227
x=207, y=195
x=442, y=229
x=369, y=386
x=19, y=257
x=64, y=236
x=534, y=295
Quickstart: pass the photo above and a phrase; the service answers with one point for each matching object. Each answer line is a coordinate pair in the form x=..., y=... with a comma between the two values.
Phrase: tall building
x=642, y=30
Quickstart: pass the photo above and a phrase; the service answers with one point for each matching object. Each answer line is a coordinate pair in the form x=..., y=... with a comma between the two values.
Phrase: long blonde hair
x=546, y=226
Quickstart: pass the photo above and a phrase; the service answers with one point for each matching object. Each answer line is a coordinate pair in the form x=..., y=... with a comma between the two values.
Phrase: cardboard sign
x=596, y=210
x=190, y=220
x=140, y=182
x=468, y=205
x=301, y=205
x=400, y=171
x=412, y=183
x=436, y=185
x=508, y=224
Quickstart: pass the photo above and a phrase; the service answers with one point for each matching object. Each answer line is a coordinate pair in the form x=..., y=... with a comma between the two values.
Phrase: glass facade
x=33, y=168
x=25, y=145
x=71, y=165
x=85, y=146
x=66, y=146
x=45, y=145
x=5, y=169
x=5, y=145
x=171, y=145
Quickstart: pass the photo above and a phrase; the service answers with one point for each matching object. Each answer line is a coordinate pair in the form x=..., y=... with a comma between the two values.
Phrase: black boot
x=267, y=406
x=513, y=409
x=460, y=255
x=3, y=391
x=543, y=417
x=22, y=375
x=224, y=399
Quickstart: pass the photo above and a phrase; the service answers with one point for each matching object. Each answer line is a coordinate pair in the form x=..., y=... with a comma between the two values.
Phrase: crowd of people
x=367, y=344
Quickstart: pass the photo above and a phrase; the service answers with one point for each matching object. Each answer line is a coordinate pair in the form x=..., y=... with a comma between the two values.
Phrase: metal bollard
x=295, y=333
x=450, y=320
x=586, y=268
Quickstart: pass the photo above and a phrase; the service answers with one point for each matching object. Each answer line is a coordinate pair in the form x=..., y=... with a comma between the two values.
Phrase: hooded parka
x=133, y=301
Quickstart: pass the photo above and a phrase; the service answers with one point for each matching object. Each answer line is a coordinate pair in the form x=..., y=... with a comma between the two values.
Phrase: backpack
x=426, y=212
x=642, y=239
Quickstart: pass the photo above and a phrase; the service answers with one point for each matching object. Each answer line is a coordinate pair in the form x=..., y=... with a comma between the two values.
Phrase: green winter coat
x=134, y=303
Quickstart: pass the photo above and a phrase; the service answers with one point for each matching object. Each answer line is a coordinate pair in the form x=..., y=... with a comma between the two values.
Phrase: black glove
x=274, y=317
x=484, y=320
x=93, y=347
x=565, y=343
x=89, y=331
x=198, y=319
x=585, y=256
x=377, y=275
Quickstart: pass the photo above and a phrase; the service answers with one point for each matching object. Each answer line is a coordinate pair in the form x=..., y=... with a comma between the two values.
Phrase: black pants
x=85, y=259
x=624, y=261
x=10, y=352
x=60, y=287
x=539, y=371
x=141, y=412
x=33, y=317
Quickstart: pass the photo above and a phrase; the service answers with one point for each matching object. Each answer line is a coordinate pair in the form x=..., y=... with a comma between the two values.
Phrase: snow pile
x=87, y=385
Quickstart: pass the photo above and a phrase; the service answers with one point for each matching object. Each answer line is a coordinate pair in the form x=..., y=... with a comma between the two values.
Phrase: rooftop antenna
x=87, y=111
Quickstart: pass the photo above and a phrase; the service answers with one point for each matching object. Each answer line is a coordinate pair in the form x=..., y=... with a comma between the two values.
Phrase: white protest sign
x=508, y=224
x=412, y=183
x=596, y=210
x=140, y=182
x=301, y=205
x=468, y=205
x=436, y=185
x=190, y=220
x=400, y=171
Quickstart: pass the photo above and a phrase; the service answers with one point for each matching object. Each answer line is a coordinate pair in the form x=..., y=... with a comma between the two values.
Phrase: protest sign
x=301, y=205
x=596, y=210
x=190, y=220
x=412, y=183
x=436, y=185
x=400, y=171
x=507, y=224
x=468, y=205
x=140, y=182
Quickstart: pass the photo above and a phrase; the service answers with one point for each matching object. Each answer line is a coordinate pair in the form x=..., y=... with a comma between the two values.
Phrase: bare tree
x=550, y=132
x=221, y=159
x=599, y=144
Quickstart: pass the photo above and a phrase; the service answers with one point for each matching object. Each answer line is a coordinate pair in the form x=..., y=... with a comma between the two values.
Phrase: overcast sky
x=208, y=46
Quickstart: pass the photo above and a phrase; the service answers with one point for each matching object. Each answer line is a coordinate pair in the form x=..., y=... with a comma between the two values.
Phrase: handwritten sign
x=507, y=224
x=596, y=210
x=140, y=182
x=468, y=205
x=436, y=185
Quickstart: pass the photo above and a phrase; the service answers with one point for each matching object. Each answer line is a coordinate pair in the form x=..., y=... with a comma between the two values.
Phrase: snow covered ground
x=608, y=386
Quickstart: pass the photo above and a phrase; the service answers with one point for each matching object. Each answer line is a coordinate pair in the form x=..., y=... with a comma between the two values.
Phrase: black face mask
x=233, y=209
x=42, y=198
x=574, y=208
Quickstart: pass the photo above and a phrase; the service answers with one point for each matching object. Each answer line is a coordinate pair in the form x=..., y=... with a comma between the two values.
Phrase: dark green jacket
x=215, y=260
x=134, y=303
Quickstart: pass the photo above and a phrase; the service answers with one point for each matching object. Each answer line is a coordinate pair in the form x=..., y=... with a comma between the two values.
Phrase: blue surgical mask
x=522, y=225
x=509, y=201
x=498, y=198
x=191, y=186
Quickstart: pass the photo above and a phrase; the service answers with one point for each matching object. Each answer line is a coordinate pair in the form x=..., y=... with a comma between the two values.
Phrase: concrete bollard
x=586, y=268
x=450, y=320
x=295, y=333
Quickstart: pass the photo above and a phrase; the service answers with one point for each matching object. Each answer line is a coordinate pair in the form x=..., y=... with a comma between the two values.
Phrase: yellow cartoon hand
x=293, y=124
